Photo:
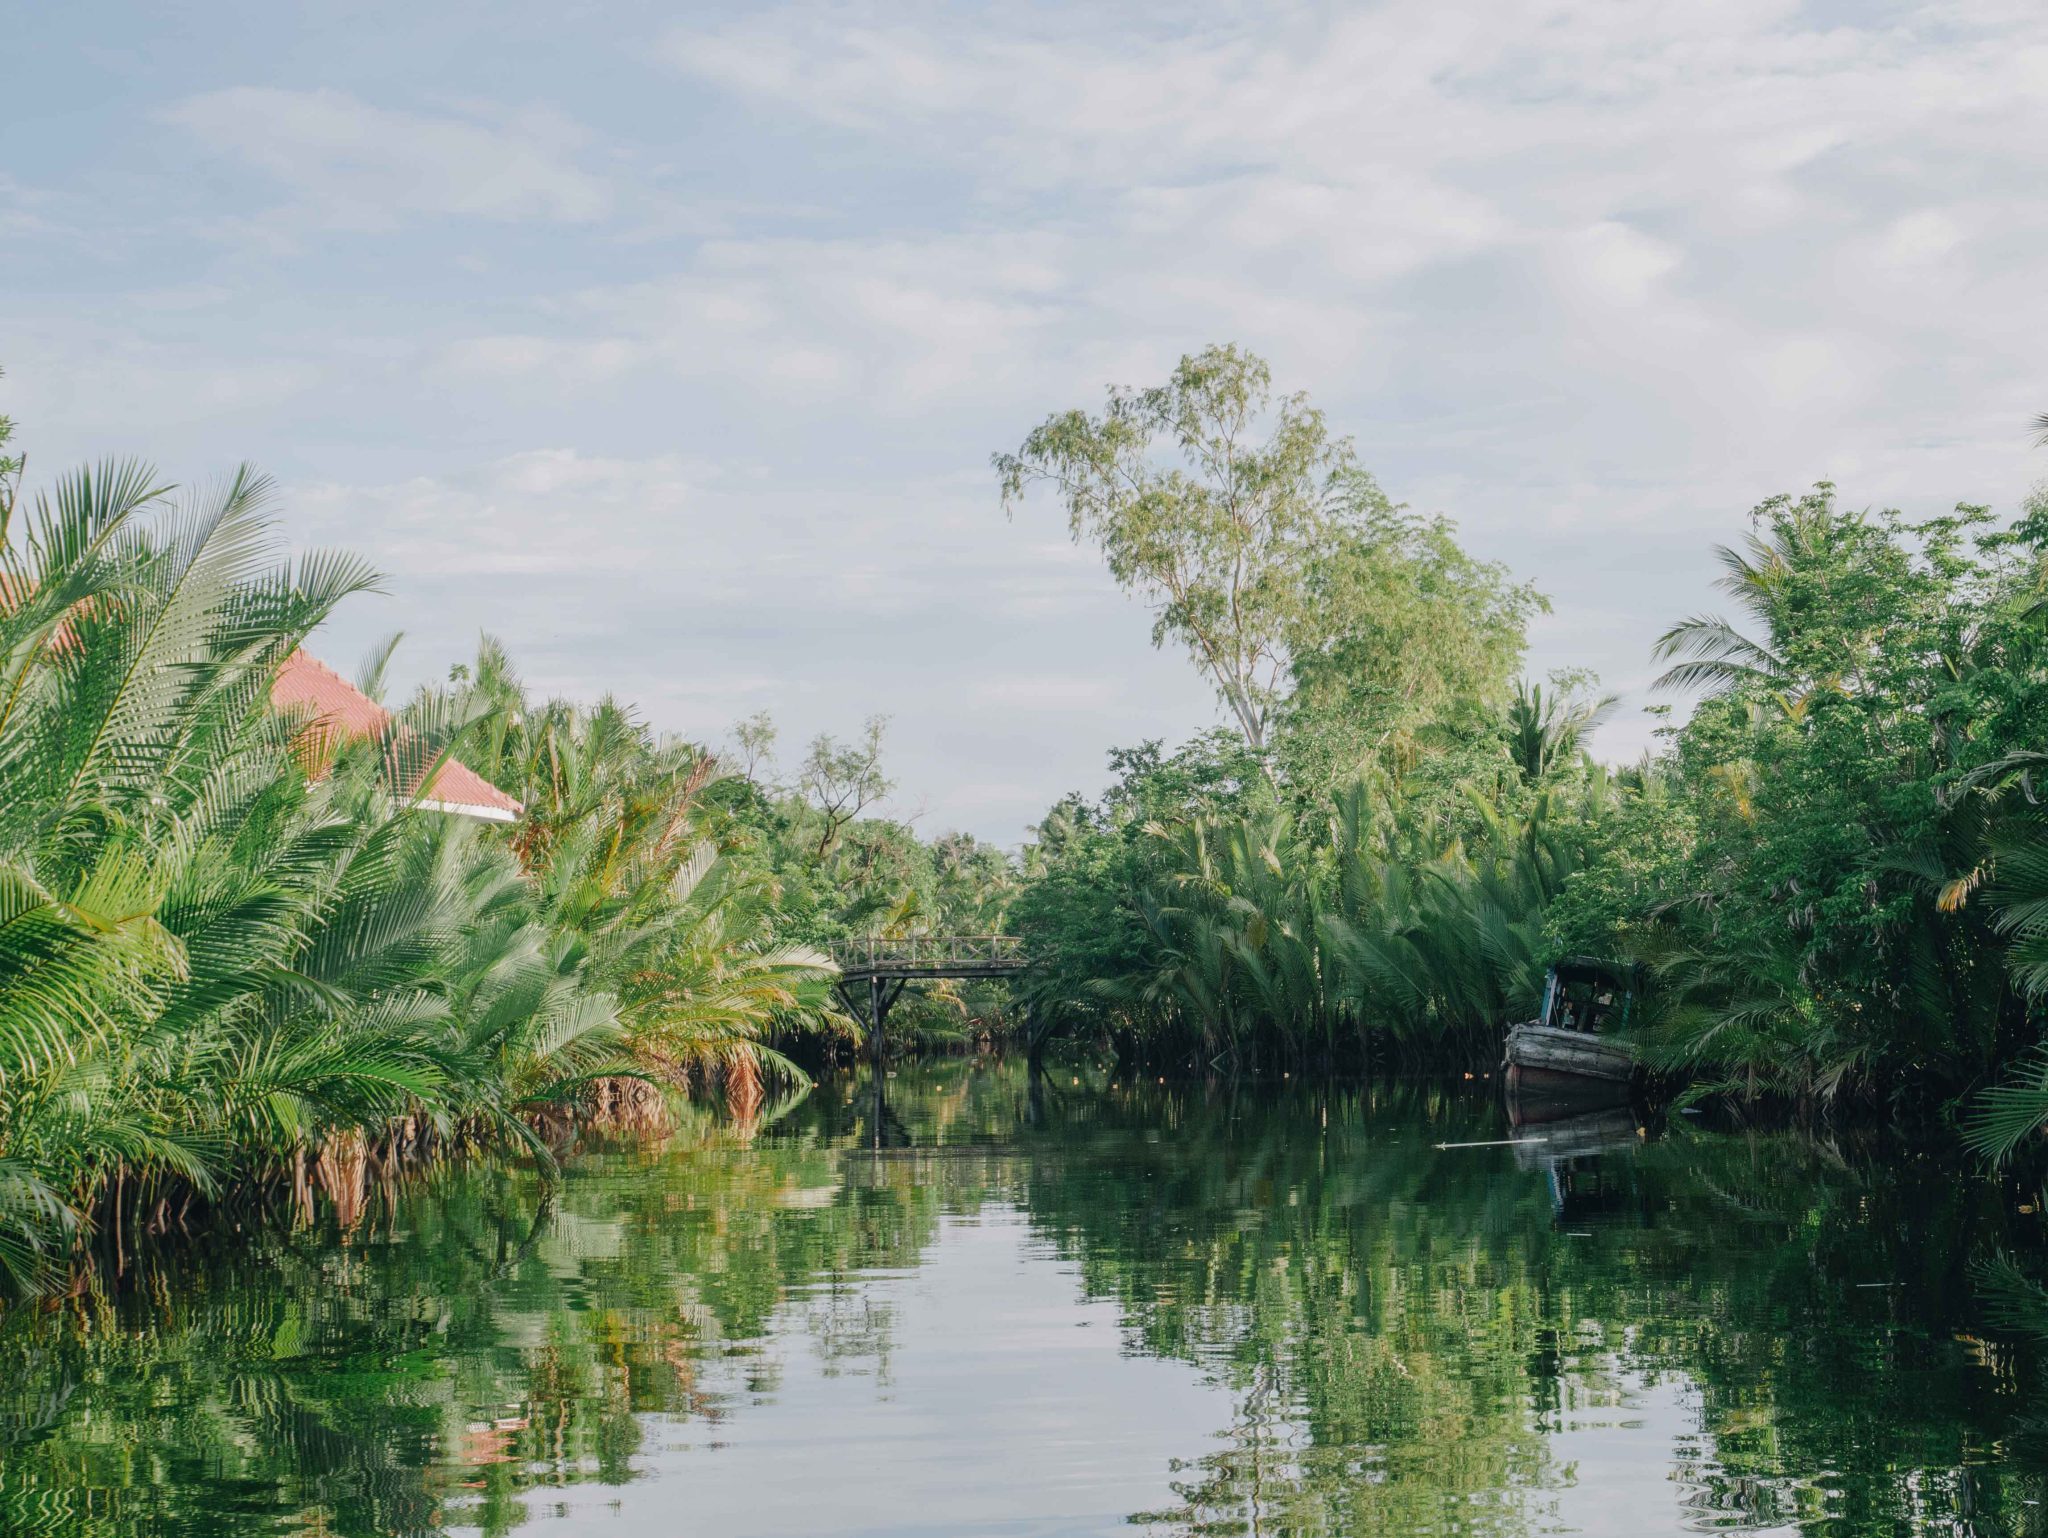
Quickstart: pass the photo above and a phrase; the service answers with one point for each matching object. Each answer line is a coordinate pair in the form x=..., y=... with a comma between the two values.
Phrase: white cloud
x=533, y=513
x=1368, y=199
x=1623, y=266
x=1592, y=276
x=1065, y=693
x=1920, y=239
x=351, y=164
x=702, y=594
x=711, y=537
x=28, y=213
x=897, y=323
x=97, y=387
x=1413, y=131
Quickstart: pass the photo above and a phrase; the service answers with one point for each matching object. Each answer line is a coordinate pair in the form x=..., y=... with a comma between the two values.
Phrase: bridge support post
x=878, y=1012
x=882, y=996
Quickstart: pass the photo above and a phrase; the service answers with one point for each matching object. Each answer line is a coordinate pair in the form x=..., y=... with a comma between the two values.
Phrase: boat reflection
x=1585, y=1148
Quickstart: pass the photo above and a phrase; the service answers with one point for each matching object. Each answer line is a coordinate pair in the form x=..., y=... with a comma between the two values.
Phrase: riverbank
x=267, y=943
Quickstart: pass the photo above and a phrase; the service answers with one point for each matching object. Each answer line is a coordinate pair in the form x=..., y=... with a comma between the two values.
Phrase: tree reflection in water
x=1844, y=1335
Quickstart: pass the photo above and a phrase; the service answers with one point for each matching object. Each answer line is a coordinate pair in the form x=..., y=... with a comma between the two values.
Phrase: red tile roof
x=340, y=712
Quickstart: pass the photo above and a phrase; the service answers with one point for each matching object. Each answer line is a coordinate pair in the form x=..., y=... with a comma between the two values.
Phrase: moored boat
x=1573, y=1047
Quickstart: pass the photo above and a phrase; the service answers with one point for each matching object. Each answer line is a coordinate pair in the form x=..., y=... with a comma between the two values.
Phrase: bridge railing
x=930, y=951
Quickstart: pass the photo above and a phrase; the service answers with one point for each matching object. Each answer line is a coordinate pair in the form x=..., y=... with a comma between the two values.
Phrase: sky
x=669, y=344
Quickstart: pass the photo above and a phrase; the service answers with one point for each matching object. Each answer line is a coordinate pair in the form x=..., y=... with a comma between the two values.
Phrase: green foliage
x=1083, y=907
x=1828, y=930
x=1835, y=867
x=223, y=978
x=1405, y=651
x=1242, y=934
x=840, y=781
x=625, y=858
x=10, y=472
x=838, y=869
x=1229, y=512
x=1372, y=853
x=1545, y=732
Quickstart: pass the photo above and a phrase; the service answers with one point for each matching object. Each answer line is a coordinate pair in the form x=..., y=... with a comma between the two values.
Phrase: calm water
x=1178, y=1310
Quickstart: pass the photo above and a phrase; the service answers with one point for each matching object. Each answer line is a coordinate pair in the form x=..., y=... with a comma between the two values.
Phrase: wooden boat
x=1570, y=1049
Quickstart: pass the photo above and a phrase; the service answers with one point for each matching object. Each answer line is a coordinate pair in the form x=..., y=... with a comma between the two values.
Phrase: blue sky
x=670, y=343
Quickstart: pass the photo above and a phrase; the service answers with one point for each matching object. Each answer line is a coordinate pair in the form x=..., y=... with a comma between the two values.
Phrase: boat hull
x=1540, y=1056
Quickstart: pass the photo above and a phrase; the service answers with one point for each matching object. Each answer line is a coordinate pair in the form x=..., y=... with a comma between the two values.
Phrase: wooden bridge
x=882, y=969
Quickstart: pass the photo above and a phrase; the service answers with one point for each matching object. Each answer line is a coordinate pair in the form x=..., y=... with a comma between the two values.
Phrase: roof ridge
x=300, y=653
x=354, y=711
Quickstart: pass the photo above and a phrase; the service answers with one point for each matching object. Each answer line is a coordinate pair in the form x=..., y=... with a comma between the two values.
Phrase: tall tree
x=1211, y=500
x=842, y=780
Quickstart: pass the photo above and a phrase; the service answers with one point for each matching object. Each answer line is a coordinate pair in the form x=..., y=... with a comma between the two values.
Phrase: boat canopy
x=1585, y=993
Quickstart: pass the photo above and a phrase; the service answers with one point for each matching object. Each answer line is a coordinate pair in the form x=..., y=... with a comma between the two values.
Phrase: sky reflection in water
x=1270, y=1310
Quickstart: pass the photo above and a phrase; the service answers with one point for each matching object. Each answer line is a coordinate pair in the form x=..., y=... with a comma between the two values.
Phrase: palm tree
x=612, y=839
x=1545, y=732
x=1718, y=658
x=221, y=975
x=134, y=672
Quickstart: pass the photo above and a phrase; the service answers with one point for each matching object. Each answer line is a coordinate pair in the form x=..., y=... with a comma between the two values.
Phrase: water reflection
x=968, y=1304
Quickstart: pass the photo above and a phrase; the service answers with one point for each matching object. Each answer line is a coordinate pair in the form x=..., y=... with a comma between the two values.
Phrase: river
x=1084, y=1308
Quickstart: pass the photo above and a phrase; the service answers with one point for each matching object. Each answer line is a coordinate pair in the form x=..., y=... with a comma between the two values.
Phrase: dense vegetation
x=245, y=963
x=1836, y=865
x=242, y=964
